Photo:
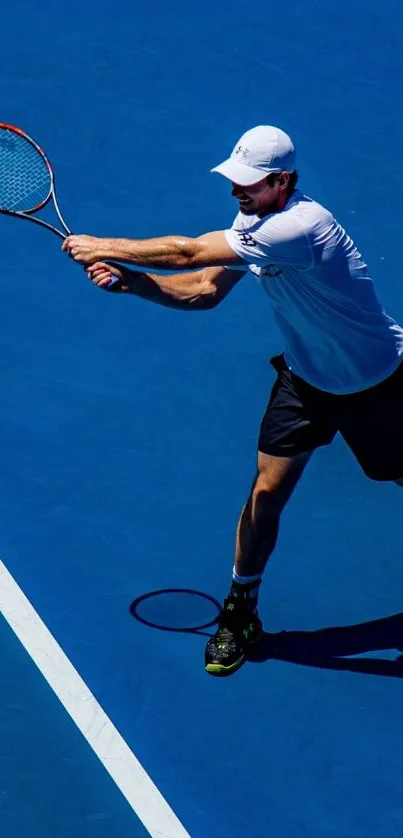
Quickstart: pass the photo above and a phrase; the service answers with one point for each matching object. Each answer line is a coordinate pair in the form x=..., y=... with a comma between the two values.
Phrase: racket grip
x=112, y=281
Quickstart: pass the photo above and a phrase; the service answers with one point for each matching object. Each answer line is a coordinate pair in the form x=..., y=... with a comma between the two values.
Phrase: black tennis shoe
x=239, y=627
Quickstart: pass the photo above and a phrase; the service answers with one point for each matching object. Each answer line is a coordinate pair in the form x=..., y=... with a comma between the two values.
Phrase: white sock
x=245, y=580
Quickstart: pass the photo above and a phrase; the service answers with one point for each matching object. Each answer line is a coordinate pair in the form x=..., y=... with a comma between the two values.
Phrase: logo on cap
x=242, y=151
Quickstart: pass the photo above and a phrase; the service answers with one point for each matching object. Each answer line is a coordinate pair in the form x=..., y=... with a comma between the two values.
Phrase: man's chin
x=247, y=209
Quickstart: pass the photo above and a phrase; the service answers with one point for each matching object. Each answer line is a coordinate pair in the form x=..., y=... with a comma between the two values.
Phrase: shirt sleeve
x=277, y=239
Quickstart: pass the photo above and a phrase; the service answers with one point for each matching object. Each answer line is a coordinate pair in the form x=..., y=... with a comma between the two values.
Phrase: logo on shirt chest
x=271, y=270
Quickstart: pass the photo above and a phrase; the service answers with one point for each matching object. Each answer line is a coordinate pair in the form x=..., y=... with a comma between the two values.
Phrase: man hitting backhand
x=341, y=369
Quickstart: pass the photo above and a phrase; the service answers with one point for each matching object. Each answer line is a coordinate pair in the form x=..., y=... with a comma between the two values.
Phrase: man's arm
x=197, y=290
x=166, y=253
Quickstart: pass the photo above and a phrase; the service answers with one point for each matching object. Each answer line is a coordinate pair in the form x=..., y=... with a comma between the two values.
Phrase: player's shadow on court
x=332, y=648
x=191, y=611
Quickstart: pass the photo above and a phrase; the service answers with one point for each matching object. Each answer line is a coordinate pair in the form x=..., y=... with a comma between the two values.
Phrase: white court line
x=115, y=755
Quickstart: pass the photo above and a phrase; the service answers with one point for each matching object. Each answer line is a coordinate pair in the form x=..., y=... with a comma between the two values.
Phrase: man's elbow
x=210, y=295
x=187, y=256
x=193, y=254
x=206, y=298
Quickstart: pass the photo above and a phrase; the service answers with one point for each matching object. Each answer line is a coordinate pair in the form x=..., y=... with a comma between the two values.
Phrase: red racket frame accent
x=29, y=213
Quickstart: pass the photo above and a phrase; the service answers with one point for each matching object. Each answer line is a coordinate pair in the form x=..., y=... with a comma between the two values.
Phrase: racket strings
x=24, y=176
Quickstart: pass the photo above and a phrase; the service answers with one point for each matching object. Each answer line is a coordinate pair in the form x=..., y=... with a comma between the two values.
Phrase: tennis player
x=341, y=370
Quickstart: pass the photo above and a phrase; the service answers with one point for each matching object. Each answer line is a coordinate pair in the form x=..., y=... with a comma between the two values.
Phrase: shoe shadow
x=330, y=648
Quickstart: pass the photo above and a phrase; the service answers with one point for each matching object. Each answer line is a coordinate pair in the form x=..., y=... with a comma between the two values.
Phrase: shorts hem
x=276, y=451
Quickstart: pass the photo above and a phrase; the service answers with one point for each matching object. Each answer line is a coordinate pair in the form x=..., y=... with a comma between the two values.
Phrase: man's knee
x=267, y=494
x=277, y=477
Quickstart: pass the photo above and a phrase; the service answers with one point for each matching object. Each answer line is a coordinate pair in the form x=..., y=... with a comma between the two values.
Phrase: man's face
x=258, y=199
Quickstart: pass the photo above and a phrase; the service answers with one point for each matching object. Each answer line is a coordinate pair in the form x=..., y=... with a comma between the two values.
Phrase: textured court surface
x=128, y=430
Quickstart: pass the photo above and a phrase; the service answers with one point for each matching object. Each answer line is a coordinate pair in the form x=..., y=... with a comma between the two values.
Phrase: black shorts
x=300, y=418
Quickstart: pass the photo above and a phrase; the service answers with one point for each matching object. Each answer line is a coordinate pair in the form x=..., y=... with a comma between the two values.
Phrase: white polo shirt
x=338, y=336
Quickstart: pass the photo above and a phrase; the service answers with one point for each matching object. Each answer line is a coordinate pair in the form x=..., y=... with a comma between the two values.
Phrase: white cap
x=261, y=150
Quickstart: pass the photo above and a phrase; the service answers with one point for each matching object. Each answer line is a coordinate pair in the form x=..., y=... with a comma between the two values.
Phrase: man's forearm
x=182, y=291
x=177, y=252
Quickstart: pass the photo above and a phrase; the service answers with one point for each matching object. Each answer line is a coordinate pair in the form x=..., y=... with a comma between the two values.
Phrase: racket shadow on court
x=178, y=610
x=336, y=647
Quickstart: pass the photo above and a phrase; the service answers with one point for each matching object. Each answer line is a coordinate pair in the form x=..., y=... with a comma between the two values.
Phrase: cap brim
x=239, y=173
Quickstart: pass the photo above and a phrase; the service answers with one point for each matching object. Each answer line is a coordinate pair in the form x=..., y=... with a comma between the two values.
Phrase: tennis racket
x=27, y=181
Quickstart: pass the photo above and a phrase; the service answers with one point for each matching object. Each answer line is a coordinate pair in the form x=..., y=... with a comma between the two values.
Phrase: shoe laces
x=224, y=634
x=234, y=616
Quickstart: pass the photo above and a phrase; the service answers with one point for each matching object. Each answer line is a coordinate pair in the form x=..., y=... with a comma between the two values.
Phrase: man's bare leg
x=258, y=525
x=256, y=537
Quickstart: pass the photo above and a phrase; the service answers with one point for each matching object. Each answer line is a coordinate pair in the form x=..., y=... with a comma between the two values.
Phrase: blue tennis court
x=129, y=434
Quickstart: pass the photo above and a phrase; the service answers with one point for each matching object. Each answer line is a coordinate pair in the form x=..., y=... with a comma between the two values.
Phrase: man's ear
x=283, y=179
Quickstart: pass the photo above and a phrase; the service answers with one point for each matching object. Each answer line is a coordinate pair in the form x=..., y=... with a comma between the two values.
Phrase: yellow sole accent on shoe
x=220, y=669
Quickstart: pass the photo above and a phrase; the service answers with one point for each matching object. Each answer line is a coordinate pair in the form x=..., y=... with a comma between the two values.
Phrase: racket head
x=177, y=609
x=26, y=175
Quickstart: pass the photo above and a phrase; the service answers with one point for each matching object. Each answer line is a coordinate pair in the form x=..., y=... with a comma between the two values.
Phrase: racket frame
x=29, y=213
